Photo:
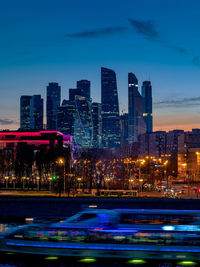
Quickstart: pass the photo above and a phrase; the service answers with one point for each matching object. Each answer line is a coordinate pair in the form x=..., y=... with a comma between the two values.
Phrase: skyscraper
x=36, y=112
x=25, y=102
x=75, y=118
x=73, y=92
x=84, y=127
x=124, y=129
x=53, y=102
x=67, y=117
x=147, y=105
x=136, y=125
x=110, y=109
x=97, y=123
x=84, y=86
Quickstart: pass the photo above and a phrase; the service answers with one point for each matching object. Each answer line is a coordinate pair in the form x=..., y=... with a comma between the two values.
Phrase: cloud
x=196, y=60
x=96, y=33
x=176, y=48
x=6, y=121
x=179, y=103
x=148, y=30
x=145, y=28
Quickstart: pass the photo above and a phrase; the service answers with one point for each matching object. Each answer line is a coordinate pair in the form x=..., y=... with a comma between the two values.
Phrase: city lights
x=100, y=133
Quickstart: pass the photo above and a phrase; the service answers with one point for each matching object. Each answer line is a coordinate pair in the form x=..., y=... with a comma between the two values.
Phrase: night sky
x=63, y=41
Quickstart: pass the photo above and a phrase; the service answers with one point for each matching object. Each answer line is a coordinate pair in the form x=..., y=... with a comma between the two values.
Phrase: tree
x=24, y=160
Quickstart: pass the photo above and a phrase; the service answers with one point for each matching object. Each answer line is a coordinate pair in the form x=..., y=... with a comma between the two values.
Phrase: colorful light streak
x=103, y=247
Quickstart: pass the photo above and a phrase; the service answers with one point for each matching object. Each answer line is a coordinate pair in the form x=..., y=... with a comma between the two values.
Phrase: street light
x=13, y=180
x=50, y=181
x=198, y=164
x=131, y=181
x=6, y=178
x=107, y=179
x=141, y=162
x=140, y=183
x=23, y=180
x=61, y=161
x=38, y=182
x=79, y=179
x=165, y=164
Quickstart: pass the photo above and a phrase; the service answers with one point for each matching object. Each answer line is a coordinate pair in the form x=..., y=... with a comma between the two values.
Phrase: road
x=189, y=194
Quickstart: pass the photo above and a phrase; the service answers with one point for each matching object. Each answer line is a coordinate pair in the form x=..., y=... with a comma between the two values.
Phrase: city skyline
x=155, y=42
x=123, y=108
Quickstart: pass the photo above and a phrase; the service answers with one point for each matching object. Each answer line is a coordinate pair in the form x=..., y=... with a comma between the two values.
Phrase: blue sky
x=64, y=41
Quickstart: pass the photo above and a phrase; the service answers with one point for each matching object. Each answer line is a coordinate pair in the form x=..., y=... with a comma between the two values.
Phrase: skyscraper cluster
x=92, y=124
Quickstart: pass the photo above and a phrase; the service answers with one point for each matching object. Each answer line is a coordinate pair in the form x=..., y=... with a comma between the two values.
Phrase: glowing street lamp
x=13, y=180
x=79, y=179
x=107, y=179
x=198, y=163
x=165, y=164
x=141, y=181
x=131, y=181
x=6, y=178
x=50, y=181
x=23, y=180
x=38, y=182
x=141, y=163
x=61, y=162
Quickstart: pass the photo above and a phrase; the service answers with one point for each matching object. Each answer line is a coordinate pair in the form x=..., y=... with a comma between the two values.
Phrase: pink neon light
x=39, y=133
x=20, y=133
x=24, y=141
x=28, y=133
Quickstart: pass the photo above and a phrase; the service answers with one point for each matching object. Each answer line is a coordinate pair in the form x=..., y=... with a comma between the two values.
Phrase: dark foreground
x=21, y=260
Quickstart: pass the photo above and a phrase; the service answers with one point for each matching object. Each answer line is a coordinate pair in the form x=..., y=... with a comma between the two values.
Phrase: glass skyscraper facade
x=84, y=127
x=25, y=104
x=52, y=104
x=147, y=105
x=84, y=87
x=136, y=125
x=36, y=112
x=66, y=117
x=124, y=129
x=97, y=124
x=73, y=92
x=110, y=109
x=75, y=118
